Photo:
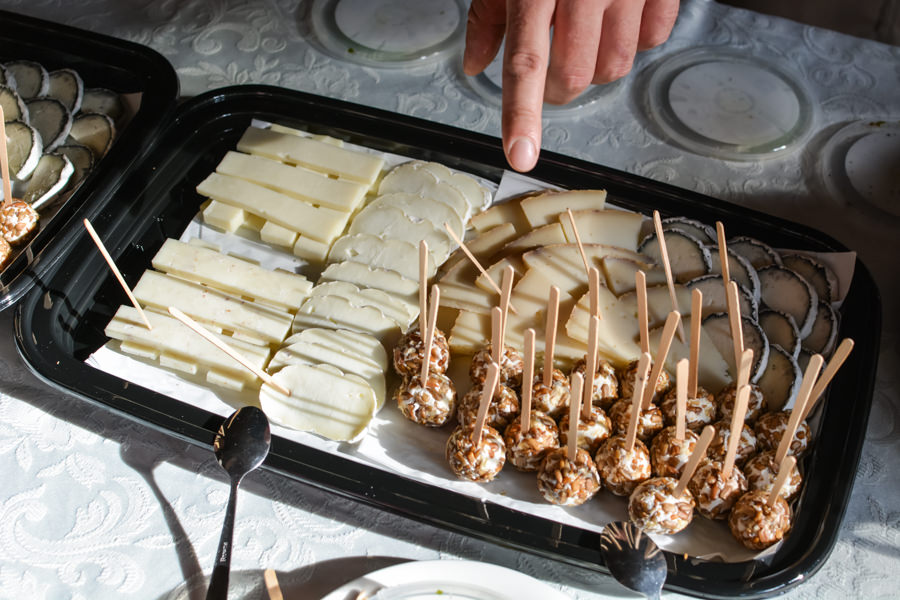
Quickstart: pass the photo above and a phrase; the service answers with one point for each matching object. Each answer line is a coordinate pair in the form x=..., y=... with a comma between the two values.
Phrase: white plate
x=446, y=580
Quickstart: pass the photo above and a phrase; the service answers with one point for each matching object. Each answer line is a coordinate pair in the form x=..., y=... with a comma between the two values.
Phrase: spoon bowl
x=633, y=559
x=241, y=445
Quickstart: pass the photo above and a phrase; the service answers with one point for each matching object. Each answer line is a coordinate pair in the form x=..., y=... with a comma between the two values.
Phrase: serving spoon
x=633, y=559
x=241, y=445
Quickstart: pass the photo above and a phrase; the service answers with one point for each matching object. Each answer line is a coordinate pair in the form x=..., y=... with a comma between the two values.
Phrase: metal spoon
x=633, y=558
x=241, y=445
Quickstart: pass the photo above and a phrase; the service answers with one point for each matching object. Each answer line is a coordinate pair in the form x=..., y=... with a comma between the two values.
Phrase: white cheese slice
x=545, y=235
x=485, y=245
x=390, y=222
x=365, y=276
x=395, y=255
x=611, y=227
x=498, y=214
x=223, y=216
x=712, y=372
x=338, y=313
x=478, y=196
x=361, y=345
x=618, y=333
x=323, y=400
x=315, y=188
x=420, y=208
x=546, y=207
x=470, y=332
x=406, y=178
x=494, y=273
x=393, y=307
x=316, y=136
x=312, y=250
x=233, y=275
x=619, y=273
x=312, y=154
x=563, y=262
x=206, y=305
x=319, y=223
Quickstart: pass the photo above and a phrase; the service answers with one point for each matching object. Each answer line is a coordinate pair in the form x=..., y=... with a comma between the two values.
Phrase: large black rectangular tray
x=61, y=322
x=105, y=62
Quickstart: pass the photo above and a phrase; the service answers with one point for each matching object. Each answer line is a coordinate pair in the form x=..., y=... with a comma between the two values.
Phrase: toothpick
x=681, y=391
x=745, y=367
x=662, y=351
x=734, y=319
x=477, y=264
x=116, y=272
x=737, y=428
x=4, y=161
x=594, y=291
x=693, y=462
x=208, y=336
x=423, y=287
x=785, y=468
x=487, y=396
x=587, y=266
x=640, y=287
x=640, y=381
x=508, y=275
x=272, y=587
x=667, y=267
x=496, y=334
x=527, y=381
x=696, y=321
x=590, y=367
x=803, y=396
x=550, y=334
x=430, y=325
x=723, y=254
x=837, y=359
x=574, y=402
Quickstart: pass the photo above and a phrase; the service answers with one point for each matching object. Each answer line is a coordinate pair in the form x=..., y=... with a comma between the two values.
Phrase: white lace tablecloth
x=96, y=506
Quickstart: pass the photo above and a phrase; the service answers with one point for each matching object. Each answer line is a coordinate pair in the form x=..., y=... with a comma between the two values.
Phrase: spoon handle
x=218, y=583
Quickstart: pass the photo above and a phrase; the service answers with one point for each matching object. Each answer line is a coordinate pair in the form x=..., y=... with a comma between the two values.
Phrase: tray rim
x=573, y=545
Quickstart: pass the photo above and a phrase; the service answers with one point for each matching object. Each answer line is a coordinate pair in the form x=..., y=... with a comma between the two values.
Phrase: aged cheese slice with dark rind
x=82, y=160
x=688, y=256
x=781, y=379
x=66, y=86
x=48, y=180
x=786, y=290
x=758, y=253
x=718, y=328
x=818, y=274
x=32, y=79
x=781, y=329
x=739, y=268
x=52, y=120
x=24, y=149
x=822, y=338
x=105, y=102
x=713, y=289
x=94, y=130
x=14, y=107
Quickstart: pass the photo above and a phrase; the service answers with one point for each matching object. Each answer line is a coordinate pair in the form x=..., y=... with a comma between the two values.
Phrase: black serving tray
x=102, y=61
x=61, y=321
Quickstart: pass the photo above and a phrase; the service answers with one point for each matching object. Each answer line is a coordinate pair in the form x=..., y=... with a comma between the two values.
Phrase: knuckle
x=525, y=64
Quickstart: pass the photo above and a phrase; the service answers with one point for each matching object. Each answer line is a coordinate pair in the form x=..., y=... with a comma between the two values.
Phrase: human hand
x=594, y=41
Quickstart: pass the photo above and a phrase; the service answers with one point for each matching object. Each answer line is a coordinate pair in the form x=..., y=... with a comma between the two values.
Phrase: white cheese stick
x=279, y=288
x=313, y=154
x=276, y=235
x=323, y=400
x=224, y=216
x=319, y=223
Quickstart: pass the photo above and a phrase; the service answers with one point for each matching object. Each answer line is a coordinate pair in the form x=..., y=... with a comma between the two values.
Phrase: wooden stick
x=640, y=381
x=693, y=462
x=667, y=267
x=640, y=287
x=590, y=367
x=662, y=351
x=272, y=587
x=208, y=336
x=785, y=468
x=734, y=319
x=746, y=365
x=681, y=391
x=840, y=355
x=487, y=396
x=803, y=396
x=430, y=326
x=477, y=264
x=116, y=272
x=594, y=291
x=723, y=254
x=527, y=381
x=550, y=334
x=4, y=162
x=508, y=275
x=496, y=335
x=696, y=321
x=574, y=405
x=742, y=397
x=587, y=266
x=423, y=287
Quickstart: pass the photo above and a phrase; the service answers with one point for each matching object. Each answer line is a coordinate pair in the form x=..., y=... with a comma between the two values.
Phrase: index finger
x=524, y=74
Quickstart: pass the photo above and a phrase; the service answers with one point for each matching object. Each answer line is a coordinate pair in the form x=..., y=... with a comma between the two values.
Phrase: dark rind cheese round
x=780, y=380
x=713, y=288
x=789, y=292
x=67, y=87
x=781, y=329
x=32, y=79
x=688, y=256
x=14, y=108
x=24, y=148
x=822, y=338
x=52, y=120
x=718, y=328
x=758, y=253
x=739, y=269
x=819, y=275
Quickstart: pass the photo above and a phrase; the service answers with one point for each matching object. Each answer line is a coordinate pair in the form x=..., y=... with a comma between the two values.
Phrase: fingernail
x=522, y=154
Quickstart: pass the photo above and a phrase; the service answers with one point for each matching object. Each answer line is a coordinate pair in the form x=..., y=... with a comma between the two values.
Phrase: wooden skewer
x=550, y=334
x=508, y=275
x=734, y=319
x=693, y=462
x=696, y=321
x=587, y=266
x=590, y=367
x=208, y=336
x=496, y=334
x=116, y=272
x=746, y=365
x=803, y=397
x=723, y=254
x=430, y=326
x=4, y=161
x=662, y=351
x=640, y=287
x=423, y=287
x=594, y=291
x=737, y=427
x=477, y=264
x=640, y=381
x=837, y=359
x=487, y=396
x=681, y=391
x=272, y=587
x=784, y=471
x=667, y=268
x=574, y=405
x=527, y=381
